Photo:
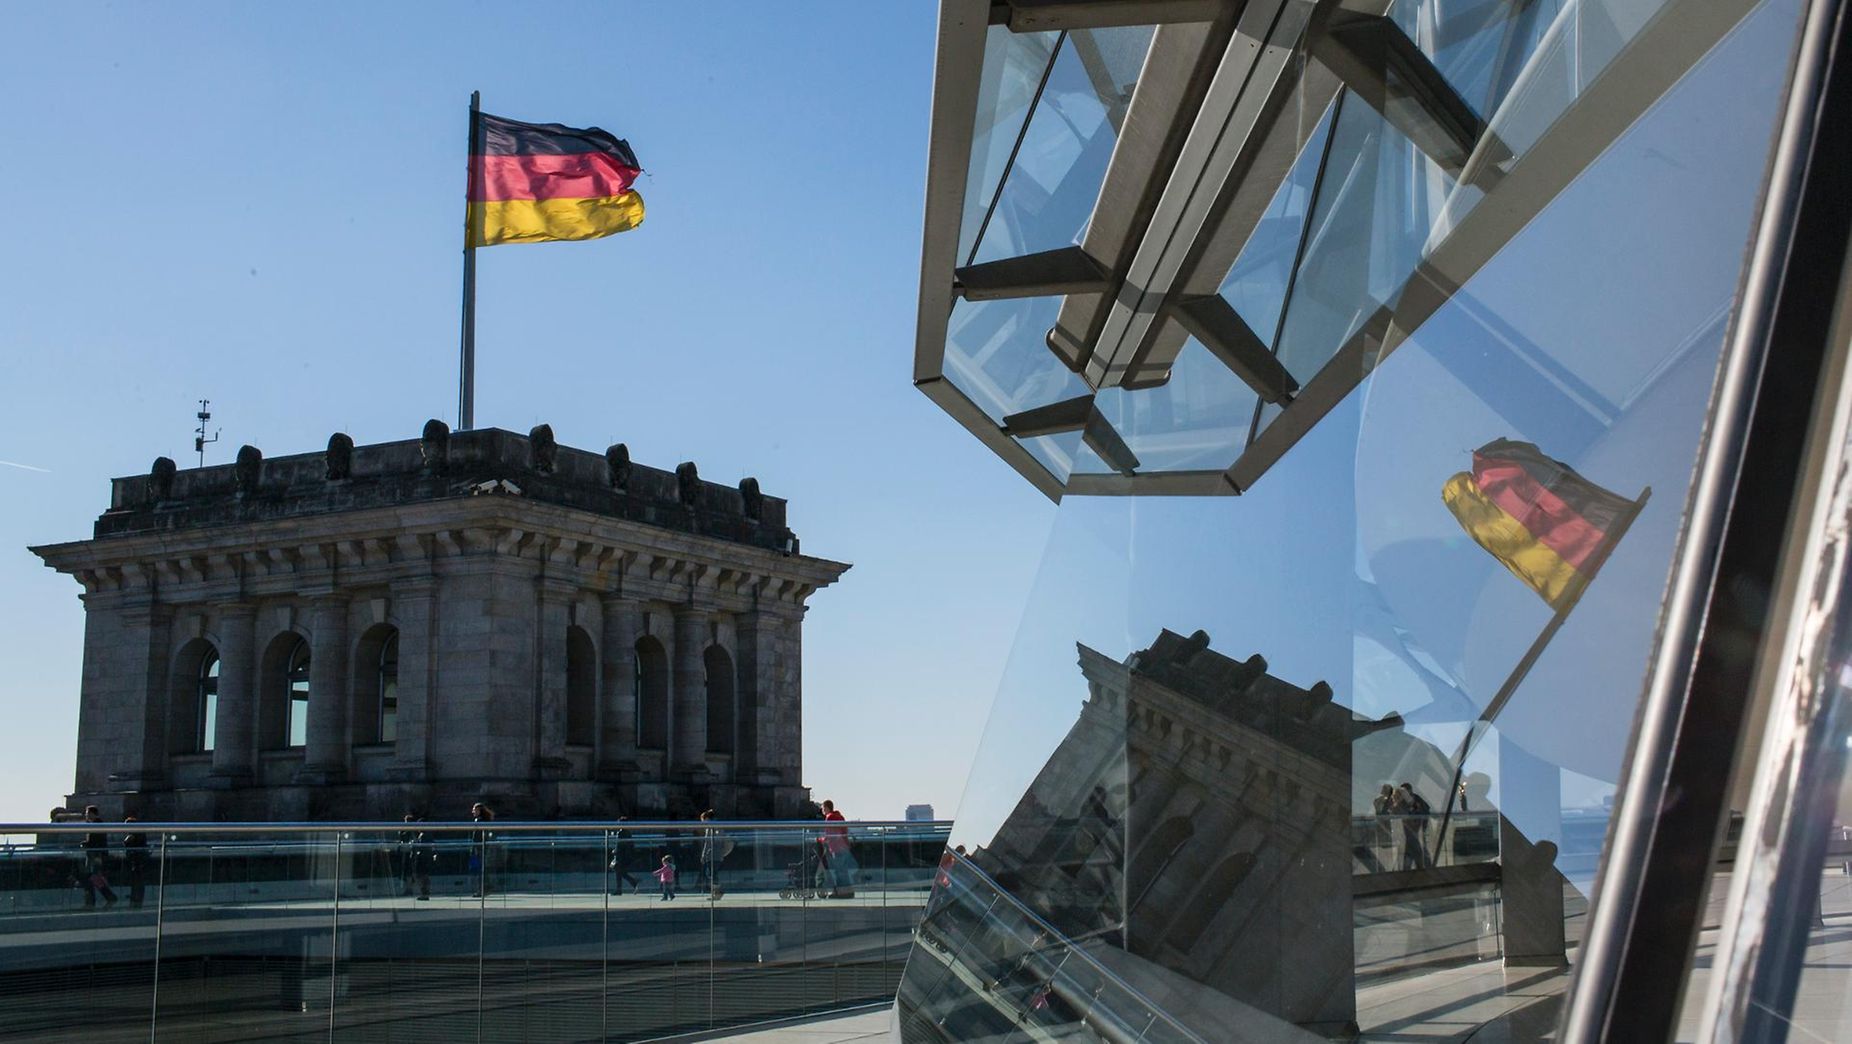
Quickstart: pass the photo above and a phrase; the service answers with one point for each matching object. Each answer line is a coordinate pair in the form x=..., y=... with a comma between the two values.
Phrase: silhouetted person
x=618, y=874
x=135, y=863
x=415, y=860
x=1415, y=810
x=96, y=859
x=482, y=814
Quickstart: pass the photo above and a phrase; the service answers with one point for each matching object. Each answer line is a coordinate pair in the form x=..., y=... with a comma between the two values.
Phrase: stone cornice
x=392, y=544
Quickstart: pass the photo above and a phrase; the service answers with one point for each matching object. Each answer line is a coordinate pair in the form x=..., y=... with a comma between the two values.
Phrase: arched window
x=652, y=694
x=206, y=703
x=581, y=688
x=389, y=690
x=375, y=689
x=719, y=699
x=296, y=677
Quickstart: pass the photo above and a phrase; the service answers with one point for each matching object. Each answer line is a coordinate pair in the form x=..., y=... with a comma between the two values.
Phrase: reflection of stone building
x=414, y=625
x=1198, y=814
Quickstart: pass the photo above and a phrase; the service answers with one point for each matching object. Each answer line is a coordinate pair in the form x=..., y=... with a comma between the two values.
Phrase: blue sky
x=261, y=204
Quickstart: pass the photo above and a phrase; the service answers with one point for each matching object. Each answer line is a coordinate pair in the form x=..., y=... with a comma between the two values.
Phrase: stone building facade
x=417, y=625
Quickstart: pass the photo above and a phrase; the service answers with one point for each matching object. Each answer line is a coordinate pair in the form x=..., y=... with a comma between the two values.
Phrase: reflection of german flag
x=1550, y=526
x=536, y=182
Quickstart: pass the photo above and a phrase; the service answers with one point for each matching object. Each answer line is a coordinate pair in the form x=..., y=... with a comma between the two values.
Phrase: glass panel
x=1050, y=190
x=997, y=354
x=1014, y=64
x=1198, y=420
x=1257, y=283
x=208, y=702
x=543, y=934
x=1369, y=227
x=1178, y=811
x=389, y=690
x=298, y=705
x=409, y=940
x=257, y=953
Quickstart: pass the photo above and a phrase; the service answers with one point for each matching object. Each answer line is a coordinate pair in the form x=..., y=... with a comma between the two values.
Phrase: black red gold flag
x=1548, y=525
x=541, y=182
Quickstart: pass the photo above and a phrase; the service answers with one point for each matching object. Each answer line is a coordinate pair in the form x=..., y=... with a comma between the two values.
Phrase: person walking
x=715, y=847
x=482, y=815
x=842, y=864
x=1386, y=808
x=135, y=863
x=665, y=874
x=618, y=871
x=96, y=860
x=414, y=860
x=1415, y=810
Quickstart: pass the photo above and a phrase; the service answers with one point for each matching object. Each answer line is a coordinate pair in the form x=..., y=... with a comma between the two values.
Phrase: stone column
x=413, y=610
x=325, y=758
x=688, y=741
x=617, y=704
x=555, y=615
x=758, y=633
x=147, y=700
x=234, y=734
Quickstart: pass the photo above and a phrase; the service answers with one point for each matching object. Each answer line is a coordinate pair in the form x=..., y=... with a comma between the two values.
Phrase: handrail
x=1055, y=933
x=470, y=826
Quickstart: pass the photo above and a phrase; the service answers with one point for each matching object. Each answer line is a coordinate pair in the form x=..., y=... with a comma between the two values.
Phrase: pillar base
x=319, y=777
x=127, y=782
x=552, y=768
x=230, y=779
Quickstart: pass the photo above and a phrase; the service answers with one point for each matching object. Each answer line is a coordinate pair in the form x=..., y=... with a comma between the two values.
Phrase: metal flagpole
x=466, y=378
x=1529, y=660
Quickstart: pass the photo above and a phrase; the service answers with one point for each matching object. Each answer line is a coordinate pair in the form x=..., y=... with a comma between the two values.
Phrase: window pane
x=1049, y=192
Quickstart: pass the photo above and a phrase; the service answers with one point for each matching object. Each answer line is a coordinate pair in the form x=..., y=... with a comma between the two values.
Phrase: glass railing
x=496, y=931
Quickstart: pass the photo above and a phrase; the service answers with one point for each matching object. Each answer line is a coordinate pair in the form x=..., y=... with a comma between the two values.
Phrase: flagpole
x=466, y=378
x=1595, y=561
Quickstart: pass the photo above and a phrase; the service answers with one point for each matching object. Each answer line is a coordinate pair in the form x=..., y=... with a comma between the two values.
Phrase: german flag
x=539, y=182
x=1550, y=526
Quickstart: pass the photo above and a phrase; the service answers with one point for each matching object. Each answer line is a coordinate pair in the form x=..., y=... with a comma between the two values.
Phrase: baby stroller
x=800, y=881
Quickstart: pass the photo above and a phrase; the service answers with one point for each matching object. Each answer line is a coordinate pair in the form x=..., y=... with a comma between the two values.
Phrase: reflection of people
x=96, y=858
x=715, y=845
x=414, y=861
x=836, y=846
x=135, y=863
x=1415, y=810
x=1385, y=805
x=619, y=870
x=479, y=859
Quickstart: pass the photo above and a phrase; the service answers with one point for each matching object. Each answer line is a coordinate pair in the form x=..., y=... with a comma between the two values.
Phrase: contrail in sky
x=25, y=467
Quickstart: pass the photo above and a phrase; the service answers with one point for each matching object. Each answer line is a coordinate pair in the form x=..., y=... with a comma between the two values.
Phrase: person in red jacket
x=836, y=847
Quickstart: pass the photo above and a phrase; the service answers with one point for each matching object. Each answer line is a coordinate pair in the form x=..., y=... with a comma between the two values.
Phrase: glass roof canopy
x=1163, y=240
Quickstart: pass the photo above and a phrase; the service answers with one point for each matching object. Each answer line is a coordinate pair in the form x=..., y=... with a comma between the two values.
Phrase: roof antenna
x=199, y=434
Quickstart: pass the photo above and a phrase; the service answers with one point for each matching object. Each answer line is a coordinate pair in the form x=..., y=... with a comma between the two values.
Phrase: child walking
x=666, y=874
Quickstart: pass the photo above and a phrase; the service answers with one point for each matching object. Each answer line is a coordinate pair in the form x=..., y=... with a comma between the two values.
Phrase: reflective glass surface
x=1338, y=755
x=1014, y=66
x=451, y=931
x=1049, y=190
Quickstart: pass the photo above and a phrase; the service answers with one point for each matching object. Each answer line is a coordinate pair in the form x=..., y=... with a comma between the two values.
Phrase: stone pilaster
x=688, y=741
x=555, y=616
x=413, y=608
x=140, y=763
x=234, y=734
x=617, y=704
x=759, y=634
x=325, y=758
